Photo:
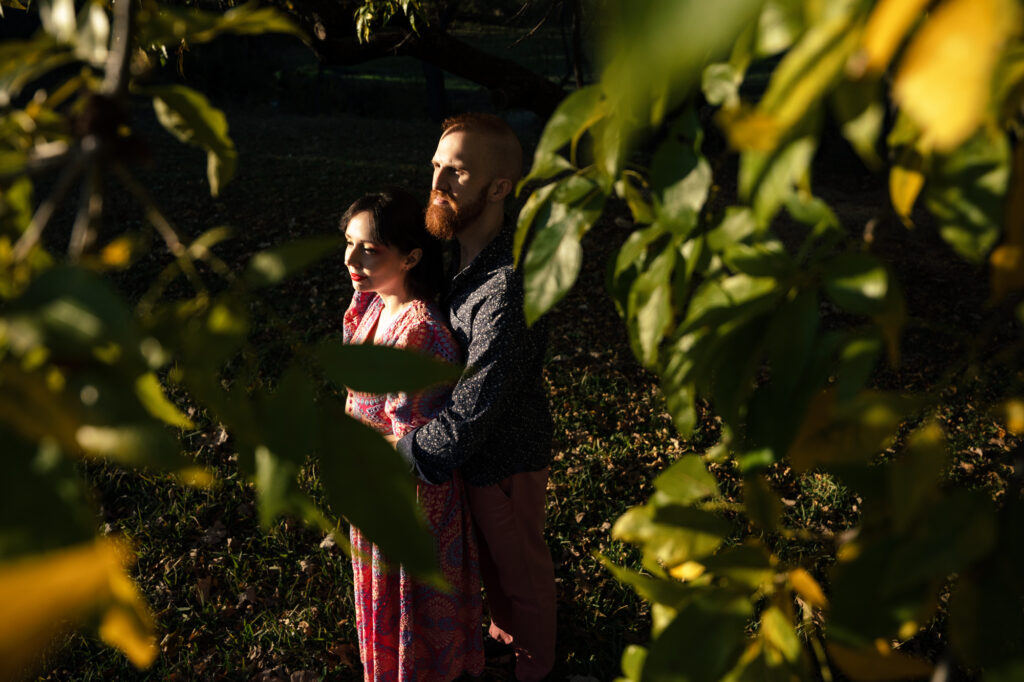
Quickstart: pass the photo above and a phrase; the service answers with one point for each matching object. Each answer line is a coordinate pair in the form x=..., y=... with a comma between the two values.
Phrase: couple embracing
x=480, y=451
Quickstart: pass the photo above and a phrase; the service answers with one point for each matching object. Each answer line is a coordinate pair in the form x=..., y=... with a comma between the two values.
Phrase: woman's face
x=372, y=265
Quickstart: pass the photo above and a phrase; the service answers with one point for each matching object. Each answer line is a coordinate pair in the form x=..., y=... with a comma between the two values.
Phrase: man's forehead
x=462, y=146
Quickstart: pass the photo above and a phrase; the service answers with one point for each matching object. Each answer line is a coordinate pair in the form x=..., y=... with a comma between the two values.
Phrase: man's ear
x=499, y=189
x=412, y=258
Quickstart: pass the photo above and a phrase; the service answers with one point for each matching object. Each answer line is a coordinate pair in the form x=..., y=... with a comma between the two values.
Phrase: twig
x=90, y=213
x=161, y=224
x=46, y=210
x=115, y=83
x=532, y=31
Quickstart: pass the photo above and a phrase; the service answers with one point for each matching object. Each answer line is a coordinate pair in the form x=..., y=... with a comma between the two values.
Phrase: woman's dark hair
x=398, y=223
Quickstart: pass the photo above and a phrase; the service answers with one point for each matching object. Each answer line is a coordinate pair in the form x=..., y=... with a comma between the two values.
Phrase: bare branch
x=90, y=213
x=161, y=224
x=536, y=28
x=46, y=210
x=115, y=83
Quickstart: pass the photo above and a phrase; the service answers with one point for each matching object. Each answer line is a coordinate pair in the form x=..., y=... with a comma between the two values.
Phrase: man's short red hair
x=504, y=145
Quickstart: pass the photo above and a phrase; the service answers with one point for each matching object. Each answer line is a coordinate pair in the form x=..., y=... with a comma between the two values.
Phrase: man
x=496, y=428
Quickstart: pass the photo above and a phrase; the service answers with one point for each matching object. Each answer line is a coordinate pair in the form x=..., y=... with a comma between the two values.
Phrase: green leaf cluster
x=733, y=312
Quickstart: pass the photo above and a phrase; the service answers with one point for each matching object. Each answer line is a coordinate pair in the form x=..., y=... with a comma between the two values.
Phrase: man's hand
x=392, y=439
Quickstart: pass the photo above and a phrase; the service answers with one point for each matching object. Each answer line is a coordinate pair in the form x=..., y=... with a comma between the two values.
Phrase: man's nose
x=440, y=182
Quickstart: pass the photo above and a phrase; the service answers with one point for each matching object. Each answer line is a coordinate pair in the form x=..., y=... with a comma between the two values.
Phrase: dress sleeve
x=361, y=300
x=407, y=411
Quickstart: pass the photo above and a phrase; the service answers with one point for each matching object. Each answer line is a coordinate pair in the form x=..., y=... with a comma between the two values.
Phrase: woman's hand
x=392, y=439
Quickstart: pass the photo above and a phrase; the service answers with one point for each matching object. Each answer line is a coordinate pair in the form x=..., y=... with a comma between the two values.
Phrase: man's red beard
x=447, y=219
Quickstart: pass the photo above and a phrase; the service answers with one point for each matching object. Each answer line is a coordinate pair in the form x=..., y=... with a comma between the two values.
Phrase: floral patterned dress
x=409, y=631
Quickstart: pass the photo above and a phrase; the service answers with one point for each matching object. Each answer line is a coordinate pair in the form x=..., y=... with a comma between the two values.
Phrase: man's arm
x=496, y=345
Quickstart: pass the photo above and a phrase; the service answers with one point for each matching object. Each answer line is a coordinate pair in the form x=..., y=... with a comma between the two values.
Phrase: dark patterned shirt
x=497, y=422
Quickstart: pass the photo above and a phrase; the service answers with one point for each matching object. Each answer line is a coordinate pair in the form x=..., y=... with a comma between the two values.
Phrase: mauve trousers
x=515, y=564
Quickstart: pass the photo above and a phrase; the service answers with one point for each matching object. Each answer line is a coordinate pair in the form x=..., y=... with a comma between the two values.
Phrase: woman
x=408, y=630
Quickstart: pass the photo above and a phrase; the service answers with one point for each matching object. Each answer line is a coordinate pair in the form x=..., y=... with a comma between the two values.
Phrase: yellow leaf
x=852, y=431
x=888, y=24
x=689, y=570
x=118, y=253
x=945, y=79
x=750, y=130
x=1014, y=416
x=43, y=594
x=1007, y=271
x=877, y=662
x=151, y=395
x=196, y=477
x=905, y=185
x=121, y=629
x=808, y=588
x=1007, y=260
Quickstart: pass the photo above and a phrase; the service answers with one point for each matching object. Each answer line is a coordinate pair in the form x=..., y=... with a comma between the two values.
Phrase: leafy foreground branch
x=82, y=375
x=727, y=304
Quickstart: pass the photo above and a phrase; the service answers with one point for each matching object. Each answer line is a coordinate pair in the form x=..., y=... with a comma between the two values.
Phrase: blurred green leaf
x=572, y=117
x=366, y=481
x=190, y=117
x=812, y=66
x=724, y=304
x=869, y=664
x=672, y=534
x=769, y=179
x=915, y=475
x=853, y=431
x=777, y=630
x=766, y=258
x=288, y=416
x=382, y=369
x=275, y=483
x=680, y=175
x=72, y=311
x=720, y=84
x=151, y=395
x=653, y=589
x=161, y=24
x=761, y=503
x=985, y=627
x=780, y=24
x=24, y=61
x=955, y=532
x=649, y=306
x=699, y=644
x=44, y=504
x=633, y=657
x=966, y=192
x=737, y=225
x=746, y=567
x=58, y=19
x=857, y=282
x=539, y=199
x=859, y=107
x=274, y=265
x=687, y=480
x=554, y=257
x=857, y=361
x=136, y=444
